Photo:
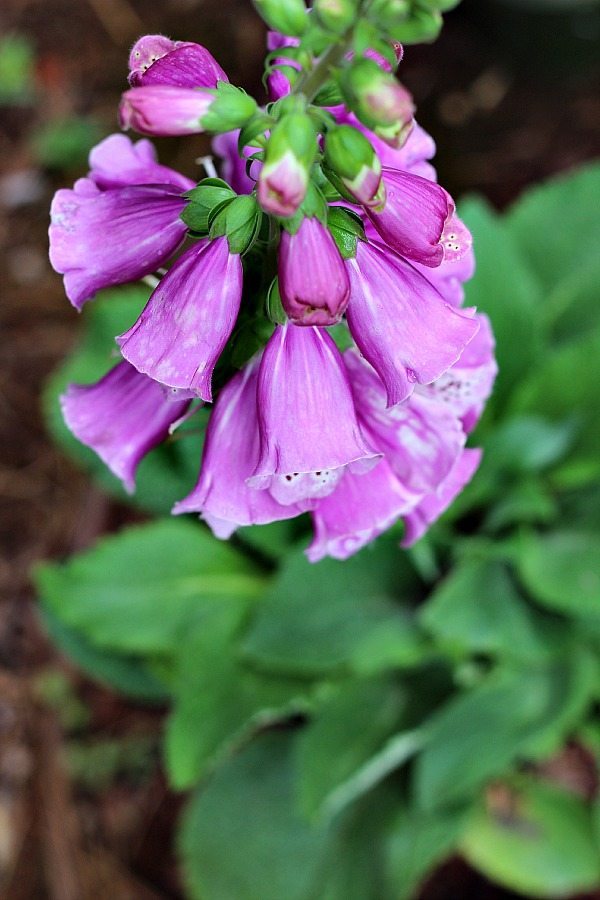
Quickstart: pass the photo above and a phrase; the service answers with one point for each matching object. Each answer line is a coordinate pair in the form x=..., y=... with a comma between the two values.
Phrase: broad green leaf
x=514, y=713
x=536, y=839
x=528, y=501
x=557, y=224
x=335, y=616
x=419, y=841
x=343, y=733
x=219, y=702
x=135, y=591
x=477, y=609
x=506, y=289
x=241, y=835
x=572, y=306
x=127, y=674
x=168, y=472
x=562, y=570
x=528, y=443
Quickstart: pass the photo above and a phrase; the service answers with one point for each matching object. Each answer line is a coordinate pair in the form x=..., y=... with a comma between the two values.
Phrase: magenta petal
x=117, y=161
x=121, y=417
x=187, y=321
x=466, y=386
x=231, y=450
x=233, y=167
x=400, y=322
x=413, y=218
x=450, y=276
x=308, y=426
x=164, y=109
x=313, y=282
x=431, y=507
x=361, y=508
x=183, y=65
x=102, y=238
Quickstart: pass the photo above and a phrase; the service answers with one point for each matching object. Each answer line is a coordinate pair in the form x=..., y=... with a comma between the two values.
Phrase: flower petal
x=117, y=161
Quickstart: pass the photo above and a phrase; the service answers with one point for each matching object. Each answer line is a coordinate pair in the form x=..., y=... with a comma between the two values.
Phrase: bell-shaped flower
x=102, y=238
x=164, y=109
x=431, y=506
x=155, y=59
x=231, y=449
x=121, y=417
x=360, y=509
x=400, y=323
x=117, y=161
x=289, y=156
x=450, y=276
x=187, y=321
x=313, y=281
x=309, y=432
x=414, y=217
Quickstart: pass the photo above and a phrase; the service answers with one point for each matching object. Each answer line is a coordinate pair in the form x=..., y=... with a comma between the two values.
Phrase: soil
x=511, y=97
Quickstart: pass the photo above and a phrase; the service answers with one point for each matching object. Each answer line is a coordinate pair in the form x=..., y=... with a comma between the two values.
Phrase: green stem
x=311, y=82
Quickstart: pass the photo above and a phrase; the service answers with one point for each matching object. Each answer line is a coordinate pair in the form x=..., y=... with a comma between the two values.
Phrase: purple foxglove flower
x=231, y=449
x=121, y=417
x=117, y=162
x=431, y=507
x=450, y=276
x=162, y=109
x=278, y=84
x=233, y=167
x=155, y=59
x=102, y=238
x=400, y=322
x=360, y=509
x=308, y=428
x=421, y=438
x=187, y=321
x=413, y=219
x=313, y=282
x=466, y=386
x=282, y=185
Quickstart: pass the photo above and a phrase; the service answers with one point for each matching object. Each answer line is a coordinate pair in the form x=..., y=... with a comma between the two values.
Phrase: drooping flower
x=121, y=417
x=222, y=495
x=399, y=321
x=155, y=59
x=313, y=282
x=104, y=238
x=165, y=109
x=117, y=161
x=308, y=428
x=181, y=332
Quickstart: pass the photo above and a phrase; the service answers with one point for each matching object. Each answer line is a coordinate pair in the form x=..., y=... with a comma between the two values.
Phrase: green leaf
x=241, y=835
x=520, y=712
x=572, y=306
x=129, y=675
x=478, y=609
x=219, y=702
x=334, y=617
x=344, y=732
x=537, y=840
x=135, y=591
x=557, y=224
x=562, y=570
x=513, y=301
x=168, y=472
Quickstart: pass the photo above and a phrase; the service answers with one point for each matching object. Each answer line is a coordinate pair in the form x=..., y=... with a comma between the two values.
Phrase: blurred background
x=511, y=94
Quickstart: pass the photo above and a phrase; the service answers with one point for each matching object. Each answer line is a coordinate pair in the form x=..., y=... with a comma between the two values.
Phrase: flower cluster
x=355, y=400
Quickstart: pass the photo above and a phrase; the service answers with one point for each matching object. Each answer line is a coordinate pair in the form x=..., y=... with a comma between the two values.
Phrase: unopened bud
x=378, y=100
x=335, y=15
x=352, y=158
x=287, y=16
x=289, y=157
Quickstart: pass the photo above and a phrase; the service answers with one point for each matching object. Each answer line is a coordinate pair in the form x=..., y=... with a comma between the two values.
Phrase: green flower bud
x=335, y=15
x=288, y=16
x=378, y=100
x=231, y=108
x=351, y=157
x=289, y=156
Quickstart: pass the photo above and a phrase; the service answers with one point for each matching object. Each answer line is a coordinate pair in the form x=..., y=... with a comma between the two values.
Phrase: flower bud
x=335, y=15
x=354, y=161
x=287, y=16
x=289, y=156
x=313, y=282
x=379, y=100
x=162, y=109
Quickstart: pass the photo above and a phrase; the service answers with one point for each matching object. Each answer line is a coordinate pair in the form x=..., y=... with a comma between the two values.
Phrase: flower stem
x=311, y=82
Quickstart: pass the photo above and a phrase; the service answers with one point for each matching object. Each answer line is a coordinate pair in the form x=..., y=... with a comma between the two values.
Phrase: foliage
x=345, y=726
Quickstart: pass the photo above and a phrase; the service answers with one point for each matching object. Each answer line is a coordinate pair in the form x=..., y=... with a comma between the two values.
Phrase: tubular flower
x=334, y=205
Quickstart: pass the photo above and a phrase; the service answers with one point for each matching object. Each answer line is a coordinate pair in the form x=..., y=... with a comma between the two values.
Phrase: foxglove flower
x=121, y=417
x=117, y=162
x=156, y=59
x=289, y=156
x=399, y=321
x=308, y=428
x=103, y=238
x=313, y=282
x=231, y=450
x=181, y=333
x=164, y=109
